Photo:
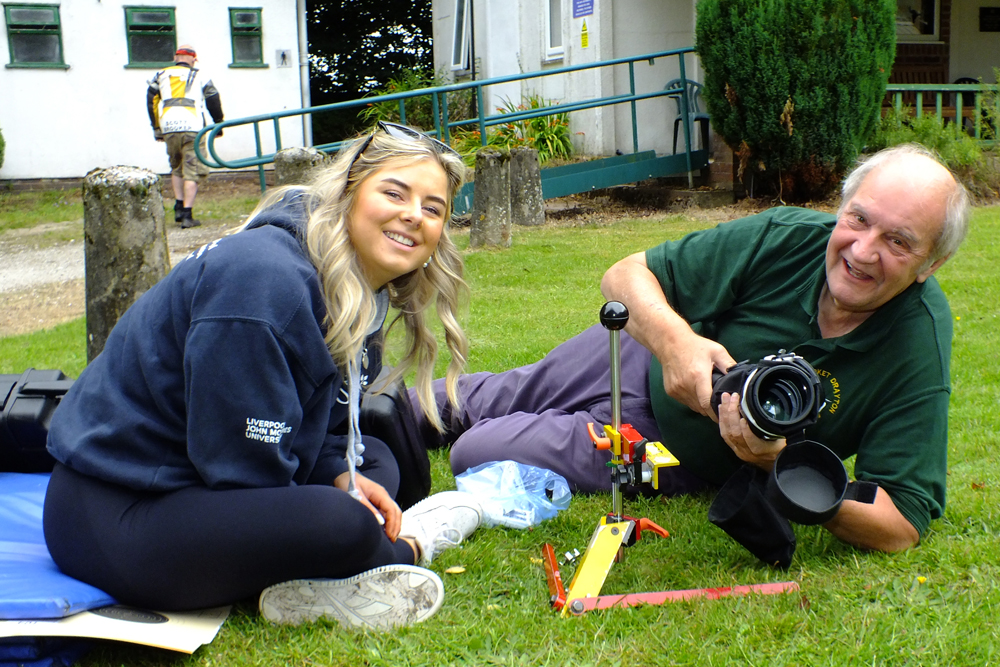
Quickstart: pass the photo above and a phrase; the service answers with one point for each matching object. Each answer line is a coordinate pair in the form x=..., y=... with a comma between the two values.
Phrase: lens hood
x=809, y=482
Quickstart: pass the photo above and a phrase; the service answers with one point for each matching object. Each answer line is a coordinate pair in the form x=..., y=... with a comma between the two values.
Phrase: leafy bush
x=549, y=135
x=991, y=109
x=961, y=152
x=955, y=147
x=794, y=87
x=467, y=142
x=3, y=148
x=419, y=110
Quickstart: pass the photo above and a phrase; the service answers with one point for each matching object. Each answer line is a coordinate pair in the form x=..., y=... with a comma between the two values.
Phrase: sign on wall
x=582, y=8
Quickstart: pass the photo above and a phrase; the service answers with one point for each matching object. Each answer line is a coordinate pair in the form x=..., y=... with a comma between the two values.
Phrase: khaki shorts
x=183, y=161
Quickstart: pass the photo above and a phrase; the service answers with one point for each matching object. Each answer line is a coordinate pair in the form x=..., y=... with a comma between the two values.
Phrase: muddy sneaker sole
x=383, y=598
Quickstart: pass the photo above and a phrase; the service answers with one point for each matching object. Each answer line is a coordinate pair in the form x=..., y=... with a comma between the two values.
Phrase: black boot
x=178, y=207
x=187, y=220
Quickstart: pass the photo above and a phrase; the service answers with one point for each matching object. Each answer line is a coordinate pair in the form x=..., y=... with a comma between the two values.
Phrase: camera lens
x=780, y=399
x=780, y=395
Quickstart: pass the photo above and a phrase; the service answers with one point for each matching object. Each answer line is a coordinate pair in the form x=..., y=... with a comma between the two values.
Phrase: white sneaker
x=382, y=598
x=441, y=521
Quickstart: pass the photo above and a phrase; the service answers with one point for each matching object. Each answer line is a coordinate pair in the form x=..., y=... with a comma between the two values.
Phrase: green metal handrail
x=443, y=125
x=955, y=91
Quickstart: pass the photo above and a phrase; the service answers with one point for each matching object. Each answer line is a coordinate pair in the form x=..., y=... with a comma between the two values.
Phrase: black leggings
x=196, y=547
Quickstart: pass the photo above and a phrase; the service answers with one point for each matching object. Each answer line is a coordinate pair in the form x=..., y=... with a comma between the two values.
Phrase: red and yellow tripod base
x=584, y=594
x=604, y=549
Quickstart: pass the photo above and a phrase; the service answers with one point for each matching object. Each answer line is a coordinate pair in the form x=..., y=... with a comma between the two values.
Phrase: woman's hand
x=745, y=444
x=374, y=496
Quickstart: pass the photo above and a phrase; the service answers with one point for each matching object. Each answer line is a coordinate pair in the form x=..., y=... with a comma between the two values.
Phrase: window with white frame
x=245, y=28
x=460, y=47
x=553, y=30
x=34, y=35
x=917, y=21
x=152, y=36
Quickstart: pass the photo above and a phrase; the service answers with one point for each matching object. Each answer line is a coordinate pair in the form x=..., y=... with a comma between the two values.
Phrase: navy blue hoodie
x=218, y=375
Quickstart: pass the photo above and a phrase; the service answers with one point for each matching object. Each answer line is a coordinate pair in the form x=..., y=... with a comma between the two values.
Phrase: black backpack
x=389, y=416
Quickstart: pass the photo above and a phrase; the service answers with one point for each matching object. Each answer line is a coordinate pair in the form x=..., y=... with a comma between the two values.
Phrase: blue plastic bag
x=515, y=495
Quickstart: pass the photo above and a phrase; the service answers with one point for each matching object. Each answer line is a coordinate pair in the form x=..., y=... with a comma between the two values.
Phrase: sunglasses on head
x=406, y=134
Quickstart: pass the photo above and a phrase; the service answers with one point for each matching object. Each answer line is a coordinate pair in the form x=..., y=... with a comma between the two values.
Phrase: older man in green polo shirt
x=853, y=294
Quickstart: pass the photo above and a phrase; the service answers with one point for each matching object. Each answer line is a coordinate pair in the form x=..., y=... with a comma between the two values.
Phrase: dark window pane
x=246, y=49
x=457, y=56
x=156, y=18
x=32, y=15
x=152, y=48
x=245, y=19
x=36, y=48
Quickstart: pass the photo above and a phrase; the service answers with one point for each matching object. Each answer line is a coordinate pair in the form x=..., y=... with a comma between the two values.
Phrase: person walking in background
x=176, y=99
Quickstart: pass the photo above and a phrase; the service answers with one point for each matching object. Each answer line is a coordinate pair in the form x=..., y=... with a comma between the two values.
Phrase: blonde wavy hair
x=350, y=300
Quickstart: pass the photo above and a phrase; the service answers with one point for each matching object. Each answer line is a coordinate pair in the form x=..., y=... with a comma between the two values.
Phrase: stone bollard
x=527, y=207
x=125, y=245
x=295, y=166
x=491, y=200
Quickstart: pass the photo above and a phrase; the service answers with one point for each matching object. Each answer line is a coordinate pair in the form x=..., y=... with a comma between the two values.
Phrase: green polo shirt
x=753, y=285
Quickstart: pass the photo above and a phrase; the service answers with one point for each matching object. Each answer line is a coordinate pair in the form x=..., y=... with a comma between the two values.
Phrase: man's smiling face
x=885, y=234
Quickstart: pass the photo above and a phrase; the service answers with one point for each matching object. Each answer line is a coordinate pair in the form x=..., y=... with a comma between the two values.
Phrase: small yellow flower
x=921, y=580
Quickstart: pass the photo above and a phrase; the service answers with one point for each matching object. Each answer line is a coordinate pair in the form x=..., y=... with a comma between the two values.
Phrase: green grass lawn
x=936, y=604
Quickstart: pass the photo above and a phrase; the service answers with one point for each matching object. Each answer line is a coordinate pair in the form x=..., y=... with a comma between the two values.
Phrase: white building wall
x=973, y=53
x=510, y=38
x=648, y=26
x=498, y=23
x=63, y=123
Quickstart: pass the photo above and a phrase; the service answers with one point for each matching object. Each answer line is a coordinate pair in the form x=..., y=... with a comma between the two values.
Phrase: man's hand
x=687, y=371
x=687, y=358
x=377, y=499
x=745, y=444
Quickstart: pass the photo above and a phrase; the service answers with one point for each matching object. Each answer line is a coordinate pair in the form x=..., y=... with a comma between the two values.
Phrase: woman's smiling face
x=397, y=219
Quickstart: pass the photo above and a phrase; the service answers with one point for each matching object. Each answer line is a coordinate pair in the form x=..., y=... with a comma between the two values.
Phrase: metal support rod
x=616, y=379
x=616, y=417
x=635, y=124
x=614, y=317
x=686, y=116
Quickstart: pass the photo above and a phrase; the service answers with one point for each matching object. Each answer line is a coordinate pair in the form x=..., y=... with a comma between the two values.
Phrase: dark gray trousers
x=538, y=414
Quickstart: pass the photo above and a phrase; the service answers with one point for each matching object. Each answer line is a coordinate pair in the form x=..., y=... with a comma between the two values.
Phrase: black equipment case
x=27, y=402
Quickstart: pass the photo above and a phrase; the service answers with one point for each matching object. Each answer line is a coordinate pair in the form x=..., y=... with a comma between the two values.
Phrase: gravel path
x=29, y=267
x=41, y=281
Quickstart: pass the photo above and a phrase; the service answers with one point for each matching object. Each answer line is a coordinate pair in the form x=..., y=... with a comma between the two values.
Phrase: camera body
x=780, y=395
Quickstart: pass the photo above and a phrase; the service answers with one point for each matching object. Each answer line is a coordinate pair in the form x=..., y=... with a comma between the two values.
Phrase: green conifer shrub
x=795, y=87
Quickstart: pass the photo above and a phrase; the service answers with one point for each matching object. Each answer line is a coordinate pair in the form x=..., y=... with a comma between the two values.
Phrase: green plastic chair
x=694, y=109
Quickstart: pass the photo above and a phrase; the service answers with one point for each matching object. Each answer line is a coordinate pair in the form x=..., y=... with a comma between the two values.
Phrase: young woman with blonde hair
x=212, y=450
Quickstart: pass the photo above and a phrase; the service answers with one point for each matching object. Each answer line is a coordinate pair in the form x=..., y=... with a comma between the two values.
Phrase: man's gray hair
x=958, y=207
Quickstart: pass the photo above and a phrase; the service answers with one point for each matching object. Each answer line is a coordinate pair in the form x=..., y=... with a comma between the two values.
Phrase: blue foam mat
x=31, y=586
